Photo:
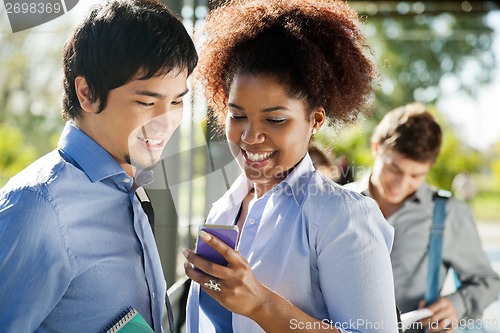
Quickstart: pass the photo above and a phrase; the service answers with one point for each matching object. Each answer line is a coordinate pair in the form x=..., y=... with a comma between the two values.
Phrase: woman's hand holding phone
x=225, y=233
x=240, y=291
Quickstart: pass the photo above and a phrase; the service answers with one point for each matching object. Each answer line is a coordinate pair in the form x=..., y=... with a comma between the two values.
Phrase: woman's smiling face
x=268, y=131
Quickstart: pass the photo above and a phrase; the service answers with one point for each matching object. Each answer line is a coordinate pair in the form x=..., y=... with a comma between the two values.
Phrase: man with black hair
x=76, y=248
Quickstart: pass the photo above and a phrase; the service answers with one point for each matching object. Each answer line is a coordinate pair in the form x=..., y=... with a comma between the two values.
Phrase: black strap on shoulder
x=148, y=209
x=146, y=206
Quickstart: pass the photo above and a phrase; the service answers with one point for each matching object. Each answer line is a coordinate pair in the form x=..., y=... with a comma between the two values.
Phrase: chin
x=252, y=175
x=145, y=163
x=394, y=199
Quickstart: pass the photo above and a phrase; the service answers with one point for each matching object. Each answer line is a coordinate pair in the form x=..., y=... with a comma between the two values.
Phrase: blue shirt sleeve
x=35, y=268
x=359, y=245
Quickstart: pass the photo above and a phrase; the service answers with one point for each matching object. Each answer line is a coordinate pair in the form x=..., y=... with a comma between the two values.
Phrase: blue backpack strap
x=436, y=246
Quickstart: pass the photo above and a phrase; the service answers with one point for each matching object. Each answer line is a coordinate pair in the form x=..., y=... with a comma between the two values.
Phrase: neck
x=261, y=189
x=388, y=209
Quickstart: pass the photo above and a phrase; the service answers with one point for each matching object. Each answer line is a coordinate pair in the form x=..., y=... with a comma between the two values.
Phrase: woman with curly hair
x=311, y=255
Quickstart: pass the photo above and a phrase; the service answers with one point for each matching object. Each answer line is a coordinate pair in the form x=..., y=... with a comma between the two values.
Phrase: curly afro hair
x=315, y=48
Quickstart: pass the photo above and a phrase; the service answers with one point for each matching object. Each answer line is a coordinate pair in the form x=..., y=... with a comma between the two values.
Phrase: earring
x=314, y=131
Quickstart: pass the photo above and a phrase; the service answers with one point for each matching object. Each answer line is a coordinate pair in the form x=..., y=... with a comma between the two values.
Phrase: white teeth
x=258, y=157
x=152, y=142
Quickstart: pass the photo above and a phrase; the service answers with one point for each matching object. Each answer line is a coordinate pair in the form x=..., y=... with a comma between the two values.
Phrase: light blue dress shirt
x=76, y=248
x=318, y=245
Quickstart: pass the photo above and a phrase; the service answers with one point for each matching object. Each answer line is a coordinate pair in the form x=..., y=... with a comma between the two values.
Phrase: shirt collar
x=89, y=156
x=363, y=186
x=424, y=193
x=295, y=183
x=237, y=192
x=420, y=195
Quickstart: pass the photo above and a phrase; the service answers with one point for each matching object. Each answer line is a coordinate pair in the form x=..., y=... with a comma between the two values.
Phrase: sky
x=477, y=118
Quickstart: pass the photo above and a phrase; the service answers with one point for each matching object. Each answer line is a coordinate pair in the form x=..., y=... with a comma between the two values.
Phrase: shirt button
x=127, y=180
x=251, y=221
x=153, y=294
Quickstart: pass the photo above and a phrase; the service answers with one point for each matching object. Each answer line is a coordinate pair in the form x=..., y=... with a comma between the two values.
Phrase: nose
x=252, y=135
x=403, y=181
x=166, y=119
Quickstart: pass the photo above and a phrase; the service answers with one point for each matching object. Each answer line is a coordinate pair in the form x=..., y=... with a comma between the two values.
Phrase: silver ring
x=212, y=285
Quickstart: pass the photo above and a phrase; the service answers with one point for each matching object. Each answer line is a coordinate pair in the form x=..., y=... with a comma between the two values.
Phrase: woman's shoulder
x=325, y=191
x=328, y=205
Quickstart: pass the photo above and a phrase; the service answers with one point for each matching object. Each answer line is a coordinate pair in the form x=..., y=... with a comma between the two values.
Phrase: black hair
x=120, y=41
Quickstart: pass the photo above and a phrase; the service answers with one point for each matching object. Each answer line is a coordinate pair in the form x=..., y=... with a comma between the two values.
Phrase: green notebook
x=131, y=322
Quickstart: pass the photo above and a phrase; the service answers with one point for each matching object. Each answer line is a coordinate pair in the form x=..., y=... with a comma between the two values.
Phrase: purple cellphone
x=226, y=233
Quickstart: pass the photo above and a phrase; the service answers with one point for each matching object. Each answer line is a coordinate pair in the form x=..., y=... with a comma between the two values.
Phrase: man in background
x=405, y=145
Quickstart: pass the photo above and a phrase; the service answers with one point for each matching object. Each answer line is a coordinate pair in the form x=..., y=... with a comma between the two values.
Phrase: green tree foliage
x=15, y=155
x=31, y=82
x=415, y=55
x=454, y=158
x=494, y=165
x=351, y=142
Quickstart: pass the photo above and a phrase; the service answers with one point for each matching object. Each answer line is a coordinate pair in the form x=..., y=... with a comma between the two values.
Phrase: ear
x=84, y=95
x=318, y=119
x=375, y=147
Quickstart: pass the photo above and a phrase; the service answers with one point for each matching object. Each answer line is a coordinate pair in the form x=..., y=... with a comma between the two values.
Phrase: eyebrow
x=394, y=165
x=157, y=95
x=271, y=109
x=401, y=170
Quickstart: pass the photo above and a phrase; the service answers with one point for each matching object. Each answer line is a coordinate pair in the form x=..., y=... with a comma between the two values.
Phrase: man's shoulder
x=433, y=193
x=444, y=194
x=454, y=206
x=37, y=175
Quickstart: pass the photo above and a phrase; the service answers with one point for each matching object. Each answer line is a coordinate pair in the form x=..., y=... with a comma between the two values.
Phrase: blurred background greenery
x=419, y=48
